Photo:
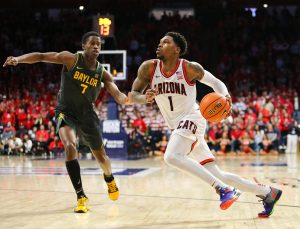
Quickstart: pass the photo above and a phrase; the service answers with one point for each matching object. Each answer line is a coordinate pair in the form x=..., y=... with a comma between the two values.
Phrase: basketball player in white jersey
x=172, y=85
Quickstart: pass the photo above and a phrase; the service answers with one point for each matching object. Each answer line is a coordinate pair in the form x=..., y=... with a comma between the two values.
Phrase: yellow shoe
x=82, y=205
x=113, y=191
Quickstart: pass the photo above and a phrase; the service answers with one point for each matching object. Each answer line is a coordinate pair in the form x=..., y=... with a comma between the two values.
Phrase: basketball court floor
x=37, y=193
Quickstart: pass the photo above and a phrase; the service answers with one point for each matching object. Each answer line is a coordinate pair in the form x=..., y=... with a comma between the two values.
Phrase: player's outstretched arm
x=196, y=70
x=140, y=84
x=113, y=89
x=64, y=57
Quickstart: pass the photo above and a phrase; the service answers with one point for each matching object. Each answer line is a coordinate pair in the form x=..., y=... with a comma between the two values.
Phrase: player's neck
x=89, y=61
x=169, y=65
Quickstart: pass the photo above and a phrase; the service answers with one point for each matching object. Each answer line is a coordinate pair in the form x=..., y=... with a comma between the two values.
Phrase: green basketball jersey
x=80, y=87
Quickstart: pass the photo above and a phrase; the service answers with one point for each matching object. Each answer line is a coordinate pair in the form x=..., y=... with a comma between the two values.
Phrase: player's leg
x=176, y=156
x=104, y=162
x=68, y=138
x=91, y=134
x=269, y=195
x=237, y=181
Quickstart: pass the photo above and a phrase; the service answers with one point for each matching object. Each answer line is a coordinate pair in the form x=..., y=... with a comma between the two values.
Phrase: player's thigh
x=202, y=153
x=178, y=145
x=67, y=135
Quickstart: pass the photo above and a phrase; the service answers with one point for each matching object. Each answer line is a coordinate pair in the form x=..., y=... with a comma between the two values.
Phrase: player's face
x=167, y=48
x=92, y=46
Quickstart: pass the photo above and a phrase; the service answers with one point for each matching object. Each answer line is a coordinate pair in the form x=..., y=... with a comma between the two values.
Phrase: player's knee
x=70, y=147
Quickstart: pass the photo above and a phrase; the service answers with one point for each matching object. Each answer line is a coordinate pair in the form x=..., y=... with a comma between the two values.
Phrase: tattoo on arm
x=196, y=70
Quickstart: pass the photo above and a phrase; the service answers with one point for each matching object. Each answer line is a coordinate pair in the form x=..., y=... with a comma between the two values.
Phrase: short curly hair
x=89, y=34
x=179, y=40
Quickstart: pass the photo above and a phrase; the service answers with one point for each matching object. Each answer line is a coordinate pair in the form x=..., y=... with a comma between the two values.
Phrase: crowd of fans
x=257, y=57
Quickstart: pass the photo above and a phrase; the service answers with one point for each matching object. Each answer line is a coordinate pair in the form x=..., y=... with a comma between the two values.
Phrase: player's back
x=176, y=95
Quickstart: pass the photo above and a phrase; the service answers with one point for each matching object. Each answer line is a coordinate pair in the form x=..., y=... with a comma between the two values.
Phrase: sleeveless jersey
x=176, y=95
x=79, y=89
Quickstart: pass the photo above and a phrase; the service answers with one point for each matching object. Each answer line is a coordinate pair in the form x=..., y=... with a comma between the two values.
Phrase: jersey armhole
x=76, y=61
x=185, y=75
x=102, y=71
x=153, y=71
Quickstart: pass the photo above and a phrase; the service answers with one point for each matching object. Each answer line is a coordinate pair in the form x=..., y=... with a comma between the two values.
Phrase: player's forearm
x=215, y=83
x=30, y=58
x=138, y=98
x=121, y=98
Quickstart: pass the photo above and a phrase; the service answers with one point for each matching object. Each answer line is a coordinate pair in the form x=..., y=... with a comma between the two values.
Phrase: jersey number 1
x=171, y=103
x=84, y=88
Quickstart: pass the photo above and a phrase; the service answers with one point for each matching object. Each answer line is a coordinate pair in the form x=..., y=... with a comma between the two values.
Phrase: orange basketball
x=214, y=107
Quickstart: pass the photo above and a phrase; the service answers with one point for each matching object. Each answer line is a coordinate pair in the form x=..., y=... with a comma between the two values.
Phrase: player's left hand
x=150, y=95
x=228, y=97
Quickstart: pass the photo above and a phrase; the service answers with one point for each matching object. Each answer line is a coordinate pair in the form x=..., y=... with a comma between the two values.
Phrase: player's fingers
x=150, y=94
x=6, y=61
x=154, y=91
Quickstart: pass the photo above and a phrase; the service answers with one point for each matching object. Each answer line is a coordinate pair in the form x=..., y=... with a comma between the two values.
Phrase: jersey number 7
x=84, y=88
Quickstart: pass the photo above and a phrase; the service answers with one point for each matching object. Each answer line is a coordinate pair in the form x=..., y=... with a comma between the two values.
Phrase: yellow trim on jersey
x=101, y=73
x=77, y=57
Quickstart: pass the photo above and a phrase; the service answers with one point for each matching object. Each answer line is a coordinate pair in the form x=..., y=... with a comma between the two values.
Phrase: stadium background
x=253, y=46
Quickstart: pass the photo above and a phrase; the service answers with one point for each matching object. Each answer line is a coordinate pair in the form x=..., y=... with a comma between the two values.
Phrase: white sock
x=237, y=181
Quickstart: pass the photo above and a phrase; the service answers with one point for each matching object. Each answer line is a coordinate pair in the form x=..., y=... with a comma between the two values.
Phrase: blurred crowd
x=257, y=58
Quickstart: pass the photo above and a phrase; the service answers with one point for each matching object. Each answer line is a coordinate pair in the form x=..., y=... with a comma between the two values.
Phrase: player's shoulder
x=68, y=54
x=193, y=66
x=148, y=65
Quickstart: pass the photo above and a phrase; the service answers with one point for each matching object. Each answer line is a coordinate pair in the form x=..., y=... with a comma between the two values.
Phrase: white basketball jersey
x=176, y=95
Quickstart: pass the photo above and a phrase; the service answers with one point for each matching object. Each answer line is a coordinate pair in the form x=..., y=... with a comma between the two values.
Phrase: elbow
x=40, y=56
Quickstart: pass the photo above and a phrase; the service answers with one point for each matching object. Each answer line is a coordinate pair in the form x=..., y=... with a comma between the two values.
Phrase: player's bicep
x=65, y=58
x=195, y=70
x=109, y=84
x=143, y=78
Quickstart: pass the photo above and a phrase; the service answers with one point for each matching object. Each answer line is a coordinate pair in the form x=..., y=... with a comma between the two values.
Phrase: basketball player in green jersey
x=81, y=79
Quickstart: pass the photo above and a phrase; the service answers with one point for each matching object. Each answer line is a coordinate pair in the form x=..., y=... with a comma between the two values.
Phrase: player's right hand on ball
x=11, y=61
x=228, y=97
x=150, y=95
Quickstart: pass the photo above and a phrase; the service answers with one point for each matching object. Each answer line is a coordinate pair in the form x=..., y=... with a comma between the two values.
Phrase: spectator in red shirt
x=21, y=116
x=28, y=122
x=56, y=146
x=42, y=138
x=8, y=117
x=140, y=123
x=235, y=134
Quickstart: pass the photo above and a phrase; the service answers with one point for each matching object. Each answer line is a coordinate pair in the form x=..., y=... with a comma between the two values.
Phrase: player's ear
x=177, y=50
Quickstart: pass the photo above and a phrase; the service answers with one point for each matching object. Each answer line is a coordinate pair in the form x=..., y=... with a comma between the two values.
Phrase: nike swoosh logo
x=79, y=68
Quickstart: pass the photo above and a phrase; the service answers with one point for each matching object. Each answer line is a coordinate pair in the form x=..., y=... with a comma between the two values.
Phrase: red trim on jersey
x=206, y=161
x=164, y=74
x=153, y=71
x=185, y=75
x=193, y=145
